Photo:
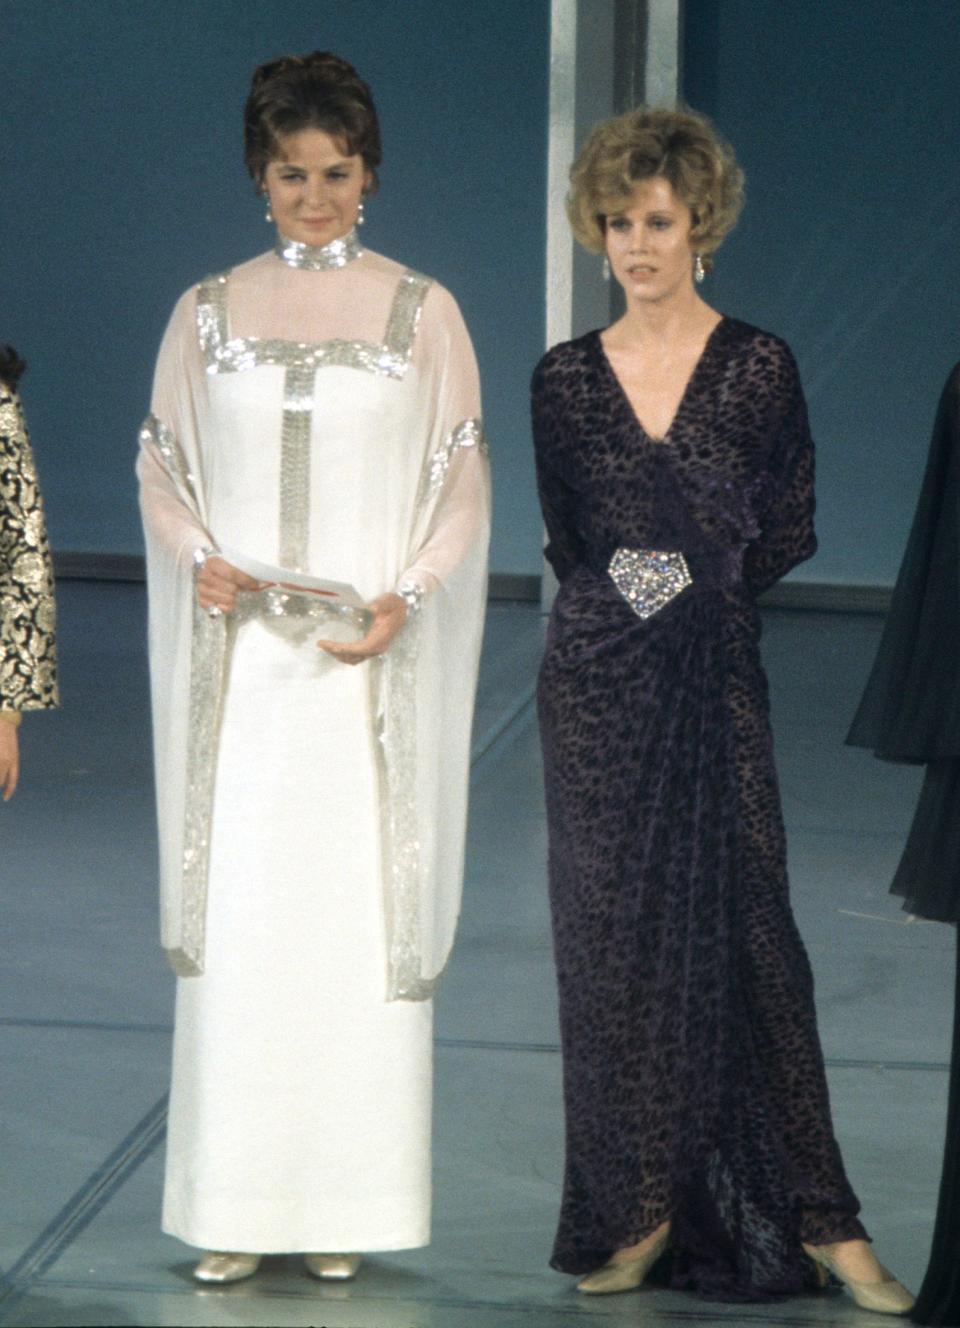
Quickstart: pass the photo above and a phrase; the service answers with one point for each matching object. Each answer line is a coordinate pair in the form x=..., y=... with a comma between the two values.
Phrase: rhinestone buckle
x=648, y=579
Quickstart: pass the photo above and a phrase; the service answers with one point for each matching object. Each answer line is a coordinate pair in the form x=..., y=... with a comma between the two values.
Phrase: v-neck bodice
x=711, y=488
x=688, y=386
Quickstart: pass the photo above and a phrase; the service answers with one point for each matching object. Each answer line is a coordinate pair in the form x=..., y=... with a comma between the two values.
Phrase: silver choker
x=318, y=258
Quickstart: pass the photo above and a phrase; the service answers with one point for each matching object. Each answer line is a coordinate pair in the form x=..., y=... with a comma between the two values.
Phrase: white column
x=561, y=148
x=582, y=47
x=662, y=63
x=584, y=37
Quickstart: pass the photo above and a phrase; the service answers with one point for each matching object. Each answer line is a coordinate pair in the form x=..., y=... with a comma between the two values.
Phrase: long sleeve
x=557, y=500
x=786, y=526
x=173, y=508
x=168, y=494
x=455, y=487
x=426, y=681
x=28, y=669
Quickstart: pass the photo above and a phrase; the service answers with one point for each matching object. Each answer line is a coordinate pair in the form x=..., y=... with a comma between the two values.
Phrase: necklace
x=318, y=258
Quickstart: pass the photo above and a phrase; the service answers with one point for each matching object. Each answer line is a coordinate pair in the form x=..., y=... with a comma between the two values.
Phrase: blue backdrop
x=846, y=118
x=123, y=183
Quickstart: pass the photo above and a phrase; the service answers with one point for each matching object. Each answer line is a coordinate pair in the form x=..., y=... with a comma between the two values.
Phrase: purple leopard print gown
x=693, y=1077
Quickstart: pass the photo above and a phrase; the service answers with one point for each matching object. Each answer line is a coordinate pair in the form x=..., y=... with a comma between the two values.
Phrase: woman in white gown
x=315, y=410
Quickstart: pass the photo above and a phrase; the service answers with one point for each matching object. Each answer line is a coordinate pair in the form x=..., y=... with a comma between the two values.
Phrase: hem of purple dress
x=708, y=1285
x=708, y=1282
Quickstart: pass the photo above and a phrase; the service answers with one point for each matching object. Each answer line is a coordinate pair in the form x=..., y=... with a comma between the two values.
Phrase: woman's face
x=314, y=189
x=648, y=242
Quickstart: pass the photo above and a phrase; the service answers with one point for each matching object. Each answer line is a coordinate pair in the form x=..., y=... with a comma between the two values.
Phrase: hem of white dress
x=379, y=1245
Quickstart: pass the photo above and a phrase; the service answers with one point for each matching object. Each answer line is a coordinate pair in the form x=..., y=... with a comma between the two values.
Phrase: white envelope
x=337, y=592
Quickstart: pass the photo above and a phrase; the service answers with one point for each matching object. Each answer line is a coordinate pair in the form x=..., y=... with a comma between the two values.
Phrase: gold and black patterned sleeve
x=28, y=659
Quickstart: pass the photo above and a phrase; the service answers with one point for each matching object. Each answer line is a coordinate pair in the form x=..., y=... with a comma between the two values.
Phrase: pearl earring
x=360, y=216
x=699, y=271
x=269, y=215
x=606, y=268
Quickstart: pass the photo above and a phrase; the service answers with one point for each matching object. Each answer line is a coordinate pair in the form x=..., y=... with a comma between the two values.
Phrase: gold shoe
x=886, y=1297
x=626, y=1275
x=332, y=1267
x=220, y=1267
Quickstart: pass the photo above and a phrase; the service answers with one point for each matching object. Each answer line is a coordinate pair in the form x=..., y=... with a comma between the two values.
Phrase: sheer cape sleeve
x=181, y=639
x=426, y=682
x=910, y=710
x=28, y=663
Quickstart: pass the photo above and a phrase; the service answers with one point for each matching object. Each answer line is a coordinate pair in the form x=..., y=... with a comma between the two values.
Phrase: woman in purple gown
x=675, y=468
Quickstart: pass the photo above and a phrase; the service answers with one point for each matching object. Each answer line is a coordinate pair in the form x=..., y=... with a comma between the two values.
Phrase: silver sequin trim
x=397, y=727
x=298, y=387
x=390, y=359
x=296, y=615
x=469, y=433
x=209, y=655
x=302, y=360
x=165, y=440
x=319, y=258
x=397, y=758
x=396, y=732
x=211, y=642
x=649, y=579
x=405, y=319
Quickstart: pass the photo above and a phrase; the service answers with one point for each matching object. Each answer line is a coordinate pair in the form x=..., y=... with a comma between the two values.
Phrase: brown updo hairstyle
x=682, y=146
x=315, y=91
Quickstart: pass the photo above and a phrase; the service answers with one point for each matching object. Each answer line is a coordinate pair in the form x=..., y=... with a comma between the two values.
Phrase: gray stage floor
x=86, y=1010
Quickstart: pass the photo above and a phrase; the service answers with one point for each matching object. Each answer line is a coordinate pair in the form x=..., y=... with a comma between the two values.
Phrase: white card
x=337, y=592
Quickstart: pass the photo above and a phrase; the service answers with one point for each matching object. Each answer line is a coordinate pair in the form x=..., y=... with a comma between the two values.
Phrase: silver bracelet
x=200, y=556
x=412, y=594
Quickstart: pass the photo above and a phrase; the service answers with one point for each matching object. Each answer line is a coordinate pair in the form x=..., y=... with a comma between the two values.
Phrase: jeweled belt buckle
x=648, y=579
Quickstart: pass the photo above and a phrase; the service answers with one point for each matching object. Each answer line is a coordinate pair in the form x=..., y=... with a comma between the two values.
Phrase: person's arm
x=9, y=753
x=557, y=500
x=28, y=671
x=786, y=536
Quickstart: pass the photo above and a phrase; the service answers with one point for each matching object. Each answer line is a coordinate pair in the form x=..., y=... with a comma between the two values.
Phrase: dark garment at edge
x=910, y=709
x=911, y=712
x=693, y=1076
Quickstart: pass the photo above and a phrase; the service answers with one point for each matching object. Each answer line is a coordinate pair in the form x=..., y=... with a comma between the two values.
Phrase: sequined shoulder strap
x=405, y=316
x=212, y=315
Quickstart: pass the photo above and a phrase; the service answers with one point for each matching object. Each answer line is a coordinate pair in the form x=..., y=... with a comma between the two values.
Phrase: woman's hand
x=9, y=759
x=218, y=583
x=389, y=614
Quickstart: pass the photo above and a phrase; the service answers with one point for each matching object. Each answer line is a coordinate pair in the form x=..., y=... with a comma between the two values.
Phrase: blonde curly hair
x=680, y=145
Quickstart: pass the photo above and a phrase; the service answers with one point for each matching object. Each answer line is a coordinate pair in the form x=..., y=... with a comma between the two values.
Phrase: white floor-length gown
x=316, y=409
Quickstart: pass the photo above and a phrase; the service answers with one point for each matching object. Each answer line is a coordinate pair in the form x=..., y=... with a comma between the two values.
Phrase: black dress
x=693, y=1077
x=911, y=712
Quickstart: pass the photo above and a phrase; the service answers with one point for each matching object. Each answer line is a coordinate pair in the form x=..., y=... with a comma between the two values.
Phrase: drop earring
x=606, y=268
x=699, y=271
x=360, y=217
x=269, y=215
